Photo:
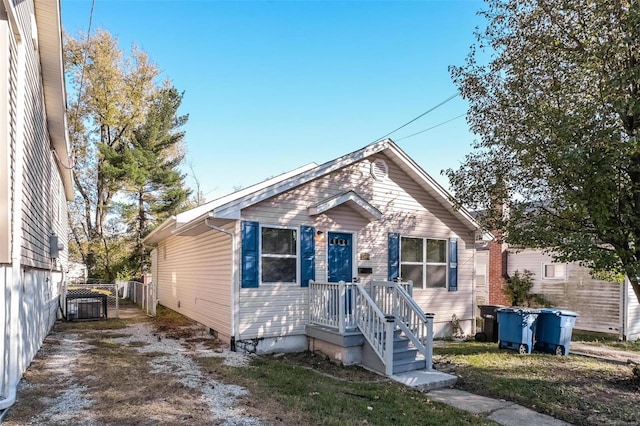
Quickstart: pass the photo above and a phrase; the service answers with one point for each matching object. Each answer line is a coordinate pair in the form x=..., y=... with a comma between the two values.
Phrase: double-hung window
x=424, y=261
x=278, y=255
x=553, y=271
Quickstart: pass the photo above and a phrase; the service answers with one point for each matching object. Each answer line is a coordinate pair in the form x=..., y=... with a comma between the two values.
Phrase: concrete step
x=404, y=365
x=408, y=353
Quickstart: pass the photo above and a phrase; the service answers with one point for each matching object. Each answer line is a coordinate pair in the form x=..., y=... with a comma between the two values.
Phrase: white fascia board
x=232, y=210
x=442, y=195
x=366, y=209
x=161, y=232
x=49, y=30
x=189, y=215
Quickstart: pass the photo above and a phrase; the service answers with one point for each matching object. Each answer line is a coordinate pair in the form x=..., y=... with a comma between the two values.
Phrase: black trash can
x=489, y=331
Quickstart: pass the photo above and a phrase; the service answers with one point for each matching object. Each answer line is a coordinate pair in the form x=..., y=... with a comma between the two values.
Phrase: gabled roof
x=230, y=206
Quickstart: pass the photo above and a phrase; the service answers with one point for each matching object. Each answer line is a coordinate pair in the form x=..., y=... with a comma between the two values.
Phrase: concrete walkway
x=606, y=354
x=438, y=388
x=500, y=411
x=436, y=385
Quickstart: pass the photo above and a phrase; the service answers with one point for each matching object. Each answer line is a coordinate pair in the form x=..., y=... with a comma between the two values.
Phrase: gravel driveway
x=134, y=375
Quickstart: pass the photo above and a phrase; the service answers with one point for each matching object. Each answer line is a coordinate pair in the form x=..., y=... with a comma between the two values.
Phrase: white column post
x=429, y=342
x=341, y=310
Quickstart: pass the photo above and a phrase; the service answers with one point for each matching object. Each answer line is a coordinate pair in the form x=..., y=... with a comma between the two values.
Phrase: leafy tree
x=114, y=99
x=554, y=93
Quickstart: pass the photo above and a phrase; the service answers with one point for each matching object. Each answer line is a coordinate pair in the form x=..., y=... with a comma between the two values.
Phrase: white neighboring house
x=604, y=307
x=34, y=184
x=255, y=266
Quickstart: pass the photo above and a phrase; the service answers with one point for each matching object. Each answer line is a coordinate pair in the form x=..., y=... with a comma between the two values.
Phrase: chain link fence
x=142, y=294
x=90, y=301
x=86, y=300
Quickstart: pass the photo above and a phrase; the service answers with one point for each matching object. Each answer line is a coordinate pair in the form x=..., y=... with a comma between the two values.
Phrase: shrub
x=518, y=290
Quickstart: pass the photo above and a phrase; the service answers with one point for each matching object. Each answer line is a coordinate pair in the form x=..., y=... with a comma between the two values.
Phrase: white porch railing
x=395, y=299
x=390, y=304
x=331, y=305
x=375, y=327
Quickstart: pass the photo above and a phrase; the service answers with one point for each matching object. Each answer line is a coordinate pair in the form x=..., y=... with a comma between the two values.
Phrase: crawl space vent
x=379, y=169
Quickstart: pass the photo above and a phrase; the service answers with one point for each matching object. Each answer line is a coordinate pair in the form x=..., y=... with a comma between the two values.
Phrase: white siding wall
x=633, y=314
x=276, y=310
x=597, y=302
x=30, y=281
x=195, y=272
x=482, y=277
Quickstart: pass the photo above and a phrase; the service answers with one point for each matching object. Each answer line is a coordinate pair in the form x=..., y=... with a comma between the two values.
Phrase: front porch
x=378, y=326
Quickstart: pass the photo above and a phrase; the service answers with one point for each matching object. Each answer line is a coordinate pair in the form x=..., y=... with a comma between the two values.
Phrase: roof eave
x=444, y=196
x=49, y=40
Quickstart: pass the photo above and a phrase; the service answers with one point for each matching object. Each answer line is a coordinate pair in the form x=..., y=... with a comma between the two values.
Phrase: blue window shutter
x=394, y=255
x=250, y=254
x=307, y=255
x=453, y=264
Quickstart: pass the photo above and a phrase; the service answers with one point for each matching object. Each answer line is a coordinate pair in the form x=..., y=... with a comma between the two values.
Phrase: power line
x=432, y=127
x=84, y=56
x=72, y=160
x=420, y=116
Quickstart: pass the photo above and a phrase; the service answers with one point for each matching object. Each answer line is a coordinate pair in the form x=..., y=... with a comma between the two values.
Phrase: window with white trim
x=553, y=271
x=424, y=261
x=278, y=255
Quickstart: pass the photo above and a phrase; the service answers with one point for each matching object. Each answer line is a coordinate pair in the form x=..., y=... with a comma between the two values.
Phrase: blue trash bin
x=516, y=328
x=554, y=329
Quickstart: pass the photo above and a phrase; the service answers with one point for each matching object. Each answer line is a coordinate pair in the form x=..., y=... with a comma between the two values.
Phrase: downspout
x=624, y=310
x=16, y=249
x=473, y=287
x=234, y=287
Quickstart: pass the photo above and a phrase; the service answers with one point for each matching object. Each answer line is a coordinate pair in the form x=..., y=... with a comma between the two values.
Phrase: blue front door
x=340, y=266
x=340, y=257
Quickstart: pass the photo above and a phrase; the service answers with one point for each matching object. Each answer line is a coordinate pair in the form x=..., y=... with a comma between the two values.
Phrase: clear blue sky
x=273, y=85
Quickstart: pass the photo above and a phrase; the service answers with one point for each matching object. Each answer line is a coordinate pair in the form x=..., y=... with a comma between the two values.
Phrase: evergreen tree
x=149, y=163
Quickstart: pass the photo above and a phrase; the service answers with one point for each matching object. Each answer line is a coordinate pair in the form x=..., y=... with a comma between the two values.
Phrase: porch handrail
x=376, y=327
x=416, y=324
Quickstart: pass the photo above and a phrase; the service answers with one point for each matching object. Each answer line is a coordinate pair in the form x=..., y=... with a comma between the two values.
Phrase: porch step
x=405, y=356
x=405, y=353
x=409, y=364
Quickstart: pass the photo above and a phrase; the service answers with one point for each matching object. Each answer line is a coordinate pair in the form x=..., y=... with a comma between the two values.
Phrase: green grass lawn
x=305, y=389
x=606, y=340
x=577, y=389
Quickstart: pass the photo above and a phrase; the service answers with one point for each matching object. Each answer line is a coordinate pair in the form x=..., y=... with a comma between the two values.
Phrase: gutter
x=234, y=287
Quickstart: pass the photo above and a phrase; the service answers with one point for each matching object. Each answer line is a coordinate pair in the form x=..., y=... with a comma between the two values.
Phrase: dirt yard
x=136, y=371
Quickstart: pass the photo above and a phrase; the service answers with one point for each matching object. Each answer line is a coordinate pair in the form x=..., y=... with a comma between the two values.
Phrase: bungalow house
x=310, y=260
x=35, y=183
x=603, y=306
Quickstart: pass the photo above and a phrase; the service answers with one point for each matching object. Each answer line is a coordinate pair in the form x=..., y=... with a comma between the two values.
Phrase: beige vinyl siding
x=195, y=272
x=482, y=277
x=29, y=174
x=406, y=208
x=633, y=314
x=40, y=173
x=8, y=111
x=596, y=302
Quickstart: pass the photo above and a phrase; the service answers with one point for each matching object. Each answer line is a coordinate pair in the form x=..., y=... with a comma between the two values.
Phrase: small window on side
x=553, y=271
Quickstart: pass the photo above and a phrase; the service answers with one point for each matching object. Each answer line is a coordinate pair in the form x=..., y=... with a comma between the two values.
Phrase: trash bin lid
x=557, y=311
x=520, y=309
